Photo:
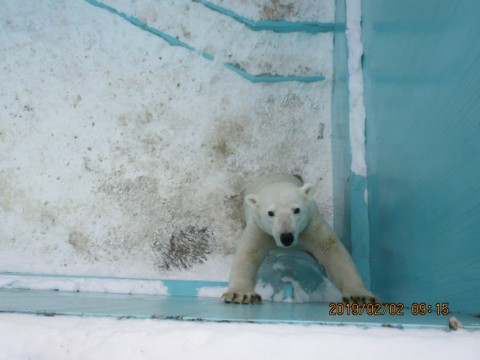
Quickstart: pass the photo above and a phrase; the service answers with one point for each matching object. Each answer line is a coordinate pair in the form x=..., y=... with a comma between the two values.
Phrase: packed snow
x=355, y=87
x=30, y=337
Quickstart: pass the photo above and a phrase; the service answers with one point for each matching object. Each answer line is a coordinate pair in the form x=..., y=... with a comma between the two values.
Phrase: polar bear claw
x=241, y=298
x=360, y=300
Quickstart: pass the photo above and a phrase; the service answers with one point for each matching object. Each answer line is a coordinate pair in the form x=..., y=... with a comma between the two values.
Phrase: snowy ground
x=30, y=337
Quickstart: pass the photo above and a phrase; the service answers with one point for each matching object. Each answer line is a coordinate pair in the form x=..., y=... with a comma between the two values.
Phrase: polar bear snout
x=287, y=239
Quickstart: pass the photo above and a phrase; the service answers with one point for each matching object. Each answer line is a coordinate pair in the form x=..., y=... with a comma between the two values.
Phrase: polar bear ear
x=307, y=190
x=252, y=200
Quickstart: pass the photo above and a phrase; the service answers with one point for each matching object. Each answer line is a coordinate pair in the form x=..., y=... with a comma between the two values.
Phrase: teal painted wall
x=350, y=210
x=422, y=94
x=340, y=130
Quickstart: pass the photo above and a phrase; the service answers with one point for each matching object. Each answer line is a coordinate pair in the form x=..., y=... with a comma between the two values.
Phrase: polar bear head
x=282, y=210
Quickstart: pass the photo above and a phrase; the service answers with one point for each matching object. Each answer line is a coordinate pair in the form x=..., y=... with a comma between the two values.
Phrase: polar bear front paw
x=241, y=298
x=361, y=297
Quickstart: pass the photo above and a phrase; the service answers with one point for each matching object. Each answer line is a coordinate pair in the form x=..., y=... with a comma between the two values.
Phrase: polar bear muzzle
x=287, y=239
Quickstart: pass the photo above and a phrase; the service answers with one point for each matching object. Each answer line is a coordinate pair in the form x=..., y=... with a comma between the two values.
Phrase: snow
x=121, y=155
x=87, y=284
x=355, y=87
x=283, y=10
x=31, y=337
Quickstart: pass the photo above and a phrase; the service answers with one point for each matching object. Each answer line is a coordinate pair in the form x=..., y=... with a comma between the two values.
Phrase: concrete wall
x=123, y=155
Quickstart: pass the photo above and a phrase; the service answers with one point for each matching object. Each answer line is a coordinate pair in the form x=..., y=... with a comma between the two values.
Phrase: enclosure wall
x=422, y=84
x=340, y=134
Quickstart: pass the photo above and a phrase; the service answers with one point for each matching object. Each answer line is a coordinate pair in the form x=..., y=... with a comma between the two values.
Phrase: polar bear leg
x=254, y=245
x=322, y=242
x=342, y=270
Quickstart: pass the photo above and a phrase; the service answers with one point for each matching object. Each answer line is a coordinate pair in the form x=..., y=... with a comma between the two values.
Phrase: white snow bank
x=30, y=337
x=109, y=285
x=355, y=87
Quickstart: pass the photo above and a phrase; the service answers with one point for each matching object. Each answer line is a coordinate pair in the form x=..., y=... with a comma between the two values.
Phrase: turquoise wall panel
x=350, y=210
x=340, y=132
x=422, y=91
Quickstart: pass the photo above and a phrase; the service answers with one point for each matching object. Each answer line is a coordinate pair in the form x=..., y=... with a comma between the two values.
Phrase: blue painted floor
x=204, y=309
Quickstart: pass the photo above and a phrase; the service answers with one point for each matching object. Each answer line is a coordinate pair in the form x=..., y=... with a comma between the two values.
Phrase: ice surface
x=294, y=276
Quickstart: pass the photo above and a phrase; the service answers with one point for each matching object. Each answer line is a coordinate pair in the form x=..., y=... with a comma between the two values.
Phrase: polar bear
x=279, y=211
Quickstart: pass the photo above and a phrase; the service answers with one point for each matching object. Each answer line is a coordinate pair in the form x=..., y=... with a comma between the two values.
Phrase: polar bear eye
x=271, y=214
x=296, y=211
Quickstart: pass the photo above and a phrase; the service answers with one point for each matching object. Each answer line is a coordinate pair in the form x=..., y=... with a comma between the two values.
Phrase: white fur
x=281, y=204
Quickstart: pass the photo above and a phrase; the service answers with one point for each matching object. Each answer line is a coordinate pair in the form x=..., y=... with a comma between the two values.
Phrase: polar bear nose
x=286, y=239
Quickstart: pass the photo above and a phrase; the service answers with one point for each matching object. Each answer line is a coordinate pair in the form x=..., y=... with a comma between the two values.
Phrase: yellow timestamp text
x=397, y=309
